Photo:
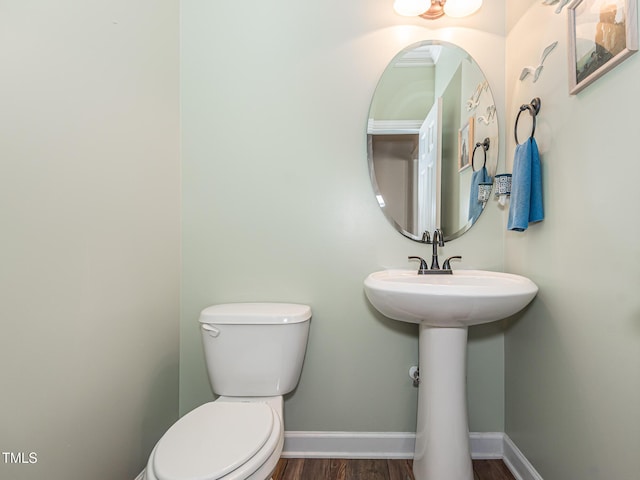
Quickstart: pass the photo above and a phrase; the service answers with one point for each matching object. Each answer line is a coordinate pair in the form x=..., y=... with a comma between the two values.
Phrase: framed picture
x=602, y=33
x=465, y=145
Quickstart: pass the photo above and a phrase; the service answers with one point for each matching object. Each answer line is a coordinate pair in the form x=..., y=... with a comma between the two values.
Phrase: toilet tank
x=254, y=349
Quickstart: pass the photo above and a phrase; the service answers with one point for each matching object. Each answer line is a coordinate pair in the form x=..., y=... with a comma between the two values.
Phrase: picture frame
x=602, y=34
x=465, y=144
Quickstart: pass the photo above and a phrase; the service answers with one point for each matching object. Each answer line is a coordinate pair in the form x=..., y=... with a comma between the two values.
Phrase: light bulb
x=411, y=8
x=461, y=8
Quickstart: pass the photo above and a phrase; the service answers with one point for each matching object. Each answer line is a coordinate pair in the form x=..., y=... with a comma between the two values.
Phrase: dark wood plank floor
x=343, y=469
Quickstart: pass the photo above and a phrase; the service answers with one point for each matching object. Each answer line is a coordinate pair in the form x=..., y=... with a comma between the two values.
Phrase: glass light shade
x=461, y=8
x=411, y=8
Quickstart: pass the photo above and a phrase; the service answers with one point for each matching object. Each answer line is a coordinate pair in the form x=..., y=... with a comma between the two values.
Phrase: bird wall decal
x=489, y=117
x=536, y=71
x=474, y=100
x=561, y=4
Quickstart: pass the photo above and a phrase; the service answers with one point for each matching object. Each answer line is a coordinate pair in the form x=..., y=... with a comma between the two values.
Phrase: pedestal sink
x=444, y=306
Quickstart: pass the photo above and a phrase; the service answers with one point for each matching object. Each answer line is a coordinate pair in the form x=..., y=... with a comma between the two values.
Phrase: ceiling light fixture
x=432, y=9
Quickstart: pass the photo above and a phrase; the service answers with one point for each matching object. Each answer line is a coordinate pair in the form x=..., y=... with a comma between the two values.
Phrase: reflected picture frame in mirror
x=427, y=95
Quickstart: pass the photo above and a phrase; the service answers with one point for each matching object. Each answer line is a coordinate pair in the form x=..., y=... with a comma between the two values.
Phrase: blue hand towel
x=526, y=187
x=475, y=206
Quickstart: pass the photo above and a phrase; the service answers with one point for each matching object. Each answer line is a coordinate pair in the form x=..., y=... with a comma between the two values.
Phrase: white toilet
x=254, y=354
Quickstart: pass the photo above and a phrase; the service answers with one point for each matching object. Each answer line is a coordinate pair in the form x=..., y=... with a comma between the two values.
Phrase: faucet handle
x=423, y=265
x=446, y=265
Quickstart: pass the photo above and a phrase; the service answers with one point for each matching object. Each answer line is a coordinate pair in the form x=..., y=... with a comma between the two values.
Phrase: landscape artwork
x=602, y=33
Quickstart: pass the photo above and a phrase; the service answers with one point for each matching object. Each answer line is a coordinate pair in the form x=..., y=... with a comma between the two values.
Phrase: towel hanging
x=533, y=108
x=526, y=184
x=526, y=187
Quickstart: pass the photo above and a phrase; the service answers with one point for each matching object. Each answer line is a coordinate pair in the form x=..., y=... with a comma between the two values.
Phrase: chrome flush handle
x=213, y=331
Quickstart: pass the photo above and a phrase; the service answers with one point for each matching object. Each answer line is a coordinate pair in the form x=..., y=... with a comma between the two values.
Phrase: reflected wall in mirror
x=431, y=107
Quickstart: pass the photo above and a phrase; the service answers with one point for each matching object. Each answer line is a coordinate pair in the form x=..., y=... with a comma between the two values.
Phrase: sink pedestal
x=444, y=306
x=442, y=434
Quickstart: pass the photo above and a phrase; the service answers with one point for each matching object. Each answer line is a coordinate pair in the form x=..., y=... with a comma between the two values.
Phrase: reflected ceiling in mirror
x=430, y=110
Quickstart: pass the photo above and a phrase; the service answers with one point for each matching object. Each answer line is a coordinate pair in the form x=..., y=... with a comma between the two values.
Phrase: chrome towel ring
x=533, y=108
x=485, y=146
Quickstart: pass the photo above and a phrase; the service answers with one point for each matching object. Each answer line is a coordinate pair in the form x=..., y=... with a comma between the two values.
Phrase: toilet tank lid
x=256, y=313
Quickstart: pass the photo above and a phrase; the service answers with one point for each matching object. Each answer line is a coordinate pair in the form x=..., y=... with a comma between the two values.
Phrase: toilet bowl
x=228, y=439
x=254, y=354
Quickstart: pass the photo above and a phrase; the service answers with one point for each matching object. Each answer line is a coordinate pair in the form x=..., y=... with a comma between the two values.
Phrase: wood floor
x=343, y=469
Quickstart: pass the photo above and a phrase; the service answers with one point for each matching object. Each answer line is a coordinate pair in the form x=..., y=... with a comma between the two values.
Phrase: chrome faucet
x=437, y=240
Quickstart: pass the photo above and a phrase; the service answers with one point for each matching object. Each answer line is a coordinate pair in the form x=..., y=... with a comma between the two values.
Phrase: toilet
x=254, y=354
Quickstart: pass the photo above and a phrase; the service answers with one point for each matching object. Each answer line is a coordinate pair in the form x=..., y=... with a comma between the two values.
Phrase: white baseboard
x=484, y=445
x=348, y=445
x=515, y=460
x=376, y=445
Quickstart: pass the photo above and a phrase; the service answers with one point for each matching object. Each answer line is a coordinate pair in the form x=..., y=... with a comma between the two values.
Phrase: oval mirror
x=432, y=140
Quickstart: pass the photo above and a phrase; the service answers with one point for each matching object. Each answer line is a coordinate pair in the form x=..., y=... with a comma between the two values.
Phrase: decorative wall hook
x=536, y=71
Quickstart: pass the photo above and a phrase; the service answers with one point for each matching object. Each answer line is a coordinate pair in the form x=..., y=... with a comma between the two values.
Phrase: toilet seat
x=216, y=439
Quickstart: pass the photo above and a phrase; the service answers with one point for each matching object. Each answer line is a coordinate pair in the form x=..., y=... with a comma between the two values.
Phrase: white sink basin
x=456, y=301
x=464, y=298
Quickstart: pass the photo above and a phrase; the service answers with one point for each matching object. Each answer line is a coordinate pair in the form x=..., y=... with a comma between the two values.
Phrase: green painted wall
x=572, y=359
x=404, y=94
x=89, y=208
x=277, y=203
